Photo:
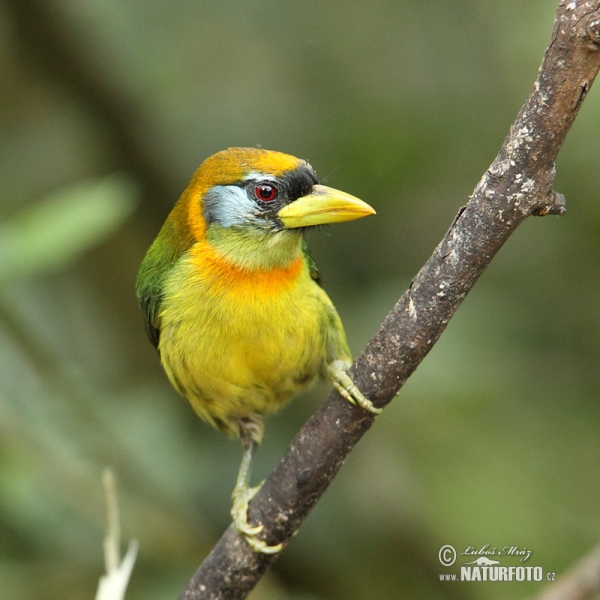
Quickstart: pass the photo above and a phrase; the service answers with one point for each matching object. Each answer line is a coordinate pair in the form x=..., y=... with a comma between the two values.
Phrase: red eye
x=266, y=192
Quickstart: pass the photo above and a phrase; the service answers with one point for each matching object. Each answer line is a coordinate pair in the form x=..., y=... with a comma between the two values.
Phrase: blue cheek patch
x=229, y=205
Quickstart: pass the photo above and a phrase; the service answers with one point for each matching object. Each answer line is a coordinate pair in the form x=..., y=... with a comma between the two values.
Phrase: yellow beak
x=323, y=205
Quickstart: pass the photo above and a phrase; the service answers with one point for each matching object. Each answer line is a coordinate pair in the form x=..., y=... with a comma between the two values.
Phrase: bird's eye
x=266, y=192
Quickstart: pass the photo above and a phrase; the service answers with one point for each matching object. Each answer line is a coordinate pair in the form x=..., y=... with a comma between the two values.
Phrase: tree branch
x=580, y=582
x=517, y=185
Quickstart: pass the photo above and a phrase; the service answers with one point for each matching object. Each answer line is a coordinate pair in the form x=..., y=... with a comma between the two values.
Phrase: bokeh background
x=106, y=109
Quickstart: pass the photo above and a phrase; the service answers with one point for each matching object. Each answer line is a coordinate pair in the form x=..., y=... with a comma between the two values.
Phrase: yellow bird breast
x=237, y=342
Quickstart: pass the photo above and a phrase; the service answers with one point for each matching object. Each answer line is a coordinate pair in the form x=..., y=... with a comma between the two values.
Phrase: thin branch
x=580, y=582
x=113, y=584
x=517, y=185
x=112, y=539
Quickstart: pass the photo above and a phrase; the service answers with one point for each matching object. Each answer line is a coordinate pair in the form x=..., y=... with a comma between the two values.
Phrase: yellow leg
x=346, y=387
x=251, y=434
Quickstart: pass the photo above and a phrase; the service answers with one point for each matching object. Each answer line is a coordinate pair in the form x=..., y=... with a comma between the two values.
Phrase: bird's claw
x=347, y=388
x=239, y=513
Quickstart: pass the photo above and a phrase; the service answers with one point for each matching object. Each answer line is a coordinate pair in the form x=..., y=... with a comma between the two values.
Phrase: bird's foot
x=346, y=387
x=239, y=512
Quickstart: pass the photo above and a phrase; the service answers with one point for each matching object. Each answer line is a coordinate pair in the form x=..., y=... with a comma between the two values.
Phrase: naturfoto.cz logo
x=484, y=568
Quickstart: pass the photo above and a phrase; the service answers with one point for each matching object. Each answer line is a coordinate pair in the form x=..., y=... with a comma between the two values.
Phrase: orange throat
x=226, y=277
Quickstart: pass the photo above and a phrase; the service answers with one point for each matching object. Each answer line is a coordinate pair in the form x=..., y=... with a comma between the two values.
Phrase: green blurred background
x=107, y=108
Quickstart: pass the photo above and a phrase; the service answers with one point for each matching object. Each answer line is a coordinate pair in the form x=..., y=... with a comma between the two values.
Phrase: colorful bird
x=232, y=298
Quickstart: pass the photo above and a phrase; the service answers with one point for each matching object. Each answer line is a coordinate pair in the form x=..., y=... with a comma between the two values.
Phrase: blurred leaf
x=61, y=226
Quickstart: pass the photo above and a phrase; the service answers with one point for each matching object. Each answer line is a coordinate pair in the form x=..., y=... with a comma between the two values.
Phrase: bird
x=232, y=298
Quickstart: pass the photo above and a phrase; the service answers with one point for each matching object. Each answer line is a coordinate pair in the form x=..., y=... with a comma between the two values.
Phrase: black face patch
x=299, y=182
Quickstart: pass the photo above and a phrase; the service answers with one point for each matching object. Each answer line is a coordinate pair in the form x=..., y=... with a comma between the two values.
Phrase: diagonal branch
x=580, y=582
x=517, y=185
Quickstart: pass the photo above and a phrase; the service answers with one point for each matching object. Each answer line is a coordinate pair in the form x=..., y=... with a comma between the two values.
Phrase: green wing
x=312, y=265
x=337, y=345
x=148, y=289
x=173, y=240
